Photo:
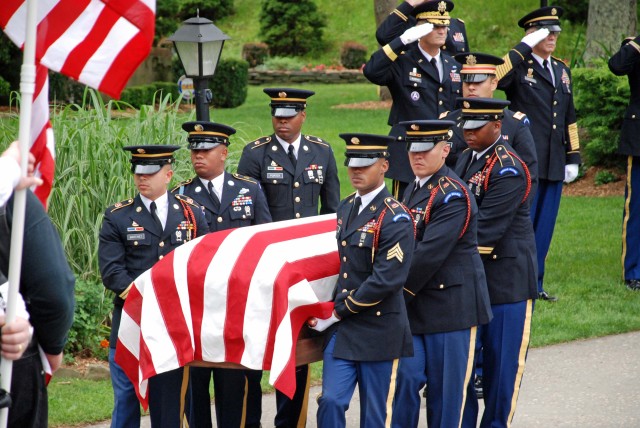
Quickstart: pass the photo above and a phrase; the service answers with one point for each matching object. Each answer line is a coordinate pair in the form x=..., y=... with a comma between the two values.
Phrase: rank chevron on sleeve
x=395, y=252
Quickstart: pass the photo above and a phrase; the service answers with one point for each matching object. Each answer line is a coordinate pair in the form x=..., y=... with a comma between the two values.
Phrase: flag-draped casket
x=235, y=296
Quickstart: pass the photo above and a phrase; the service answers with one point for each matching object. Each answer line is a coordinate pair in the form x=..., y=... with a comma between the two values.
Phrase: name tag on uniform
x=275, y=175
x=135, y=236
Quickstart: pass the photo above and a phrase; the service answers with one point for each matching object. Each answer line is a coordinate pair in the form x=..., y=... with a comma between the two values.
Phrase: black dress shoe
x=477, y=384
x=543, y=295
x=633, y=284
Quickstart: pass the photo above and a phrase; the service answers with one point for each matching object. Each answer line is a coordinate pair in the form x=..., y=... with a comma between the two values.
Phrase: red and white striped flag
x=239, y=296
x=97, y=42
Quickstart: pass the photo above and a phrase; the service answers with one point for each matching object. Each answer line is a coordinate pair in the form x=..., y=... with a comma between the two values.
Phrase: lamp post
x=199, y=44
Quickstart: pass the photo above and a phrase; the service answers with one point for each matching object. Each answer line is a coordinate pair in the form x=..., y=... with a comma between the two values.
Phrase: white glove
x=570, y=172
x=536, y=37
x=414, y=33
x=323, y=324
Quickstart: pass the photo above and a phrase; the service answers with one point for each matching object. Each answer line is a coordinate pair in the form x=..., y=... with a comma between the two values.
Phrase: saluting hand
x=536, y=37
x=414, y=33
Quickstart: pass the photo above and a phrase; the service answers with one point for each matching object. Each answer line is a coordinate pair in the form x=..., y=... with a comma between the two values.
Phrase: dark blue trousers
x=292, y=413
x=444, y=362
x=544, y=212
x=376, y=382
x=167, y=395
x=631, y=221
x=505, y=342
x=126, y=407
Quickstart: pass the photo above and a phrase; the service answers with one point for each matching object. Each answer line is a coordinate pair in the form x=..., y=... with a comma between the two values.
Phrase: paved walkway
x=582, y=384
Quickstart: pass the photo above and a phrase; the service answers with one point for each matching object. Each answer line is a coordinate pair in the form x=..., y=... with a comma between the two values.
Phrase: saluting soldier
x=369, y=327
x=499, y=180
x=401, y=19
x=446, y=290
x=299, y=176
x=135, y=234
x=424, y=81
x=627, y=62
x=228, y=201
x=539, y=85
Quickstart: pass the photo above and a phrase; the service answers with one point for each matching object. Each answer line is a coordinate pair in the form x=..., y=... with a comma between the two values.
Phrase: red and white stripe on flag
x=239, y=296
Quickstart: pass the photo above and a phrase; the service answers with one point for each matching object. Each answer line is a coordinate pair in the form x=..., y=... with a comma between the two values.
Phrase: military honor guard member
x=424, y=81
x=446, y=290
x=299, y=176
x=401, y=19
x=368, y=330
x=499, y=180
x=228, y=201
x=627, y=62
x=539, y=85
x=135, y=234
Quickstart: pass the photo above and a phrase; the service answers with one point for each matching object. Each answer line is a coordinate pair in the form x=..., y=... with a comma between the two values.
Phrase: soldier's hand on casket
x=536, y=37
x=414, y=33
x=323, y=324
x=571, y=172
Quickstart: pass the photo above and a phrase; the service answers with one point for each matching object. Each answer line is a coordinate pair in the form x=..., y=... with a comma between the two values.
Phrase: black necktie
x=416, y=187
x=214, y=197
x=435, y=66
x=474, y=157
x=547, y=69
x=154, y=214
x=354, y=210
x=292, y=156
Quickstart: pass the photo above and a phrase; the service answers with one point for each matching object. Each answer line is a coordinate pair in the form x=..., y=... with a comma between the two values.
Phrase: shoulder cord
x=376, y=232
x=427, y=210
x=188, y=214
x=491, y=163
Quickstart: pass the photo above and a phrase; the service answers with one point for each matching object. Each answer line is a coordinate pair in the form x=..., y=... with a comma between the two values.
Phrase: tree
x=609, y=22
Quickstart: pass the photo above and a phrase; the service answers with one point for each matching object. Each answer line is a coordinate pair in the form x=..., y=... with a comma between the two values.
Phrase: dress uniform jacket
x=627, y=62
x=549, y=108
x=446, y=289
x=400, y=20
x=505, y=233
x=243, y=202
x=373, y=269
x=293, y=193
x=131, y=243
x=416, y=90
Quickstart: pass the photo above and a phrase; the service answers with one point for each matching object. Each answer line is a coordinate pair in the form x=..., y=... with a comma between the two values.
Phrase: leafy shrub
x=171, y=13
x=353, y=55
x=65, y=90
x=292, y=27
x=229, y=84
x=604, y=177
x=5, y=88
x=281, y=63
x=575, y=11
x=255, y=53
x=601, y=99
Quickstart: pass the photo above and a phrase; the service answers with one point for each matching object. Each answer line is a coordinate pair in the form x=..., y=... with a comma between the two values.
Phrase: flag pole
x=27, y=88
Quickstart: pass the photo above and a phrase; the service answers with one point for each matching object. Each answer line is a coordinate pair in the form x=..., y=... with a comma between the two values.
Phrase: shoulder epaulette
x=186, y=199
x=519, y=115
x=120, y=204
x=316, y=140
x=447, y=185
x=458, y=19
x=562, y=61
x=184, y=183
x=443, y=114
x=244, y=178
x=504, y=157
x=467, y=149
x=394, y=206
x=260, y=142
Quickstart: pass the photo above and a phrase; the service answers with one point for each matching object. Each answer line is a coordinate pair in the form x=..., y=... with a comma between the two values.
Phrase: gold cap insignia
x=466, y=104
x=198, y=128
x=442, y=7
x=471, y=60
x=140, y=151
x=282, y=94
x=355, y=140
x=450, y=133
x=415, y=127
x=554, y=11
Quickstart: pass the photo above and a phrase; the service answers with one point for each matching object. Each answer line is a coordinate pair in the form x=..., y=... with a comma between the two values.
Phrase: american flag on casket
x=236, y=296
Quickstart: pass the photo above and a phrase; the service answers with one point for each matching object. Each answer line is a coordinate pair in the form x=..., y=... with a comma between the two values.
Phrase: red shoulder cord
x=427, y=210
x=491, y=163
x=376, y=232
x=188, y=214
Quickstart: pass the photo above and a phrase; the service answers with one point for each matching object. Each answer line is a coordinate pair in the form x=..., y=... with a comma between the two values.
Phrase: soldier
x=500, y=182
x=627, y=62
x=539, y=85
x=446, y=291
x=296, y=172
x=228, y=201
x=375, y=243
x=135, y=234
x=423, y=80
x=401, y=19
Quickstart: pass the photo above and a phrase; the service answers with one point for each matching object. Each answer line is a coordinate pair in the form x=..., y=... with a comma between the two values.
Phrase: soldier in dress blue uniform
x=296, y=172
x=135, y=234
x=228, y=201
x=369, y=330
x=539, y=85
x=401, y=18
x=446, y=290
x=627, y=62
x=424, y=81
x=499, y=180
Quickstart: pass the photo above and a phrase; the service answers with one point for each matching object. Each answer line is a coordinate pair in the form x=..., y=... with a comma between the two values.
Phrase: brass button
x=297, y=215
x=440, y=102
x=633, y=116
x=554, y=126
x=275, y=182
x=296, y=184
x=297, y=199
x=345, y=275
x=360, y=244
x=219, y=219
x=344, y=258
x=440, y=89
x=441, y=286
x=244, y=216
x=161, y=244
x=160, y=258
x=494, y=257
x=415, y=84
x=135, y=243
x=344, y=243
x=555, y=103
x=378, y=313
x=555, y=114
x=344, y=290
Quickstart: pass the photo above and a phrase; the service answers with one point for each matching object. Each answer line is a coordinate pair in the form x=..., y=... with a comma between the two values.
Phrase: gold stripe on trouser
x=392, y=392
x=470, y=368
x=244, y=402
x=396, y=189
x=302, y=418
x=625, y=219
x=183, y=394
x=526, y=337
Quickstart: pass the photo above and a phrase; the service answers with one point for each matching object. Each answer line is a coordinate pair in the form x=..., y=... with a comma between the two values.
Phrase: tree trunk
x=382, y=9
x=609, y=22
